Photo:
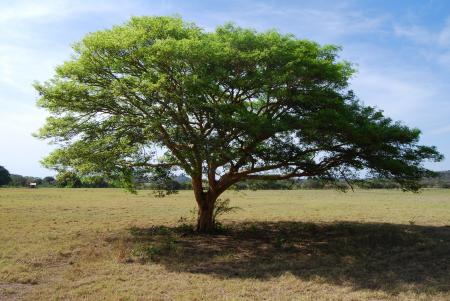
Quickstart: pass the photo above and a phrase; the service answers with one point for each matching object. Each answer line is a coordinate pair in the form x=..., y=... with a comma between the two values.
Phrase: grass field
x=106, y=244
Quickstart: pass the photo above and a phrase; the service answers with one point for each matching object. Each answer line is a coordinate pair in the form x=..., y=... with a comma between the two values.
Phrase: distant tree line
x=66, y=179
x=24, y=181
x=442, y=180
x=70, y=179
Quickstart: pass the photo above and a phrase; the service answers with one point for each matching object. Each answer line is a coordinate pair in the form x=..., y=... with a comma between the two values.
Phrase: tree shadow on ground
x=388, y=257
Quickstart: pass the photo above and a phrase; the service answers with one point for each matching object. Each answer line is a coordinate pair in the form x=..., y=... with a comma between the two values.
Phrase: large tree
x=156, y=95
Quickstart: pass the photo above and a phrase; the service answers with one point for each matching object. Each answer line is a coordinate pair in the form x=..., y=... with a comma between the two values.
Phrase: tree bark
x=205, y=221
x=205, y=202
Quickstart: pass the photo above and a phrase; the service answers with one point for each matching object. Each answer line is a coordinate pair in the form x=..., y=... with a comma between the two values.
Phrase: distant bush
x=5, y=177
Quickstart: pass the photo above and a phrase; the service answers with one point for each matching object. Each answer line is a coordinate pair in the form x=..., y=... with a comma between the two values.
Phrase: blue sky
x=401, y=49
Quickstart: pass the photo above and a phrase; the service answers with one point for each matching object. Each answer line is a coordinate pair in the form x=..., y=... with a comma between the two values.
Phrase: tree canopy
x=157, y=94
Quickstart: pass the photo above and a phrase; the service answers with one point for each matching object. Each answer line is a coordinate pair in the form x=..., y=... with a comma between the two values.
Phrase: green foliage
x=94, y=182
x=68, y=179
x=18, y=181
x=229, y=105
x=222, y=207
x=5, y=177
x=49, y=180
x=162, y=182
x=266, y=185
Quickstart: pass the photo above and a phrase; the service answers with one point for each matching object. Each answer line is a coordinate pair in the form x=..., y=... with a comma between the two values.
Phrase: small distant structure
x=32, y=185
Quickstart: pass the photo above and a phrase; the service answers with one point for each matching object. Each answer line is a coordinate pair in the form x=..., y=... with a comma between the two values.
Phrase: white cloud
x=21, y=65
x=435, y=45
x=422, y=35
x=415, y=33
x=326, y=25
x=20, y=152
x=334, y=22
x=50, y=11
x=443, y=36
x=402, y=96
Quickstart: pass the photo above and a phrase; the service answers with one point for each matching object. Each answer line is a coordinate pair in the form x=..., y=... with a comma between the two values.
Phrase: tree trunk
x=205, y=202
x=205, y=221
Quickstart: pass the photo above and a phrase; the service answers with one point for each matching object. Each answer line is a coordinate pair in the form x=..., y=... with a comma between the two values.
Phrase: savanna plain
x=107, y=244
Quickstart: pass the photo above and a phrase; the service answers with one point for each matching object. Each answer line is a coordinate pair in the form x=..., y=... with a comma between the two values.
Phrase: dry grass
x=105, y=244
